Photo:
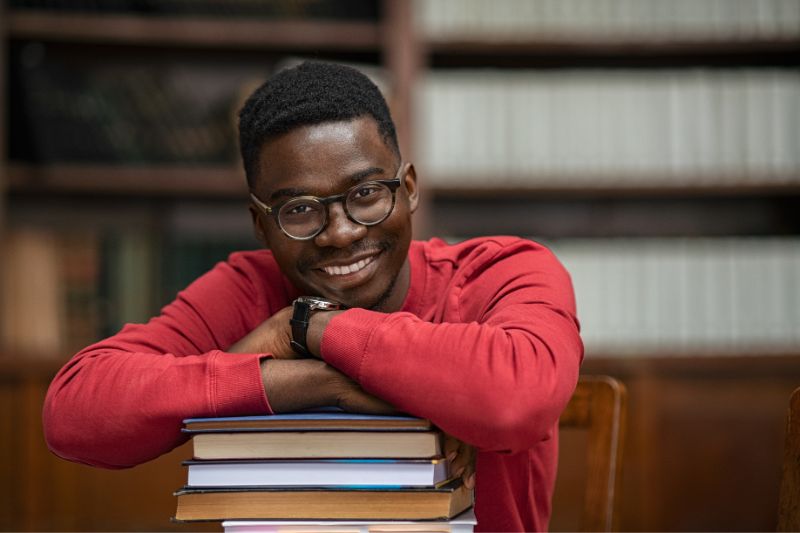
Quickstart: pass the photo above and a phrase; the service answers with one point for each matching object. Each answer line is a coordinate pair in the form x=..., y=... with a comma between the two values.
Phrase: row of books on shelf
x=620, y=19
x=278, y=9
x=676, y=296
x=609, y=128
x=322, y=471
x=63, y=290
x=125, y=113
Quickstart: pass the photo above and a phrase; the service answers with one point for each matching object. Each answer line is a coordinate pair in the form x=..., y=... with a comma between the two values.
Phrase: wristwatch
x=304, y=306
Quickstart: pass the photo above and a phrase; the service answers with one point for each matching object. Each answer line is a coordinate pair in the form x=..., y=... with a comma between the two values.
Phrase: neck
x=395, y=295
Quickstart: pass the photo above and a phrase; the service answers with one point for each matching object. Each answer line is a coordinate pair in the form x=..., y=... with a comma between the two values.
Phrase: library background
x=654, y=145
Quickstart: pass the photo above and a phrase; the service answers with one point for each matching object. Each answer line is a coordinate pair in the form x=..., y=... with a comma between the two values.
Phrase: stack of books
x=327, y=470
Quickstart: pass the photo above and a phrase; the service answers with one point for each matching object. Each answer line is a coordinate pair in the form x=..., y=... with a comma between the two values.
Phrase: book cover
x=317, y=444
x=316, y=421
x=317, y=472
x=463, y=523
x=315, y=503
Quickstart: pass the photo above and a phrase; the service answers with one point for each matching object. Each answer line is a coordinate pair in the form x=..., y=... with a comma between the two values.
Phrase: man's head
x=310, y=93
x=323, y=130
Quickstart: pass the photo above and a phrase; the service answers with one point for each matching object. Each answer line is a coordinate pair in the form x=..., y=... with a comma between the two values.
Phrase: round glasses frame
x=391, y=184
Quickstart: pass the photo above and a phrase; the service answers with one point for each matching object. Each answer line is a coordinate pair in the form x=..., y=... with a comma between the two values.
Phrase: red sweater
x=486, y=346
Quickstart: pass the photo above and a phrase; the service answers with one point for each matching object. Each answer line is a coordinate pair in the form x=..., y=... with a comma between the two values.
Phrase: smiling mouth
x=343, y=270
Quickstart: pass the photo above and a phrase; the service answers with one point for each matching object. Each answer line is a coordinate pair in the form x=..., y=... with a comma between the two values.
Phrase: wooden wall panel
x=42, y=492
x=705, y=440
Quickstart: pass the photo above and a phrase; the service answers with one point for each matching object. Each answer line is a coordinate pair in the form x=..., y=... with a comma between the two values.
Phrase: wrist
x=316, y=328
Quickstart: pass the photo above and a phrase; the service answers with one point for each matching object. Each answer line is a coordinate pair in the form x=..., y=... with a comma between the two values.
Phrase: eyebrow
x=354, y=178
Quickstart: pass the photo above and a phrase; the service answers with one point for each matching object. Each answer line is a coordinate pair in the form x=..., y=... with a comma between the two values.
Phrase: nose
x=340, y=231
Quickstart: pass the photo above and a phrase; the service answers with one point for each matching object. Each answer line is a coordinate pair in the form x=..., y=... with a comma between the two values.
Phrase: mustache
x=335, y=254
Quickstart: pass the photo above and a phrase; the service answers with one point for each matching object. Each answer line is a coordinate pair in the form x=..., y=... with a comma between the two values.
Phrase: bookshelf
x=632, y=125
x=74, y=69
x=168, y=203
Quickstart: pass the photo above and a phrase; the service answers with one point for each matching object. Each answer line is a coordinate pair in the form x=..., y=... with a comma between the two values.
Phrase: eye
x=300, y=209
x=366, y=190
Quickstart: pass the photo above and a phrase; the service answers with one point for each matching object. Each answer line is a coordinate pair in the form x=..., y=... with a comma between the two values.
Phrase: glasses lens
x=369, y=203
x=301, y=218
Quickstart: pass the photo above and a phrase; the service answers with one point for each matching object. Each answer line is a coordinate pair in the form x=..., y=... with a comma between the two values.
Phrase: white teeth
x=347, y=269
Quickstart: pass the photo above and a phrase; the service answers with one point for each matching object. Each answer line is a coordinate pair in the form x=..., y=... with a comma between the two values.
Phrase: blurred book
x=462, y=523
x=323, y=503
x=319, y=472
x=328, y=435
x=33, y=294
x=319, y=420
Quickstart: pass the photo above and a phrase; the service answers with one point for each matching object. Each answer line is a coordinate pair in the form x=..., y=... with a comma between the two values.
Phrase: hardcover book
x=463, y=523
x=319, y=472
x=327, y=434
x=311, y=421
x=317, y=444
x=315, y=503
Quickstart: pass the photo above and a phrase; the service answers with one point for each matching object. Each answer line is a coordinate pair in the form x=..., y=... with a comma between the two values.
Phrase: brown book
x=318, y=445
x=324, y=504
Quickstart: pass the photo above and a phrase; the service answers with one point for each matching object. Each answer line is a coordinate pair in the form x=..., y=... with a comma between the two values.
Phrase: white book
x=540, y=113
x=317, y=472
x=731, y=123
x=788, y=14
x=785, y=114
x=518, y=122
x=463, y=523
x=759, y=131
x=706, y=134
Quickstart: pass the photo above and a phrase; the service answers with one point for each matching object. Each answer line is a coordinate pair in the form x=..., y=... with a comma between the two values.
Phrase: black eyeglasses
x=304, y=217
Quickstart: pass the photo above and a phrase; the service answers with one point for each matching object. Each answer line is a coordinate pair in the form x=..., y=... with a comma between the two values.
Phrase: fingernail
x=470, y=481
x=451, y=456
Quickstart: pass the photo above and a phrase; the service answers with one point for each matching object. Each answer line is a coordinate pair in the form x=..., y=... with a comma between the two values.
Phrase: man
x=479, y=337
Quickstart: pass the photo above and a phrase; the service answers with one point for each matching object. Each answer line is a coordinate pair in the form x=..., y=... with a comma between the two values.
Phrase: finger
x=451, y=446
x=459, y=465
x=359, y=401
x=469, y=480
x=464, y=465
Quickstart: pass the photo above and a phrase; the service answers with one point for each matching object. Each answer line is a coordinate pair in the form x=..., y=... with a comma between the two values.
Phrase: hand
x=462, y=460
x=273, y=336
x=352, y=398
x=293, y=385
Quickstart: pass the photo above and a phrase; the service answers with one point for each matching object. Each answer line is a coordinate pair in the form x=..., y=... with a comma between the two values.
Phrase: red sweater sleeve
x=495, y=365
x=121, y=402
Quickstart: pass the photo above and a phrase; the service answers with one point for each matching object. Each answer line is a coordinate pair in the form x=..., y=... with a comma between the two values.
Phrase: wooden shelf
x=229, y=181
x=644, y=46
x=205, y=32
x=627, y=53
x=183, y=180
x=717, y=188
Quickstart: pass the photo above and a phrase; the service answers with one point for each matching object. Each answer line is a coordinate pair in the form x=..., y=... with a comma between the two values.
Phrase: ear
x=410, y=182
x=258, y=229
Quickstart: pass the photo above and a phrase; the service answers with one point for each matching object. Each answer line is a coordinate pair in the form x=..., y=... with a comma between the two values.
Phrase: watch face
x=316, y=303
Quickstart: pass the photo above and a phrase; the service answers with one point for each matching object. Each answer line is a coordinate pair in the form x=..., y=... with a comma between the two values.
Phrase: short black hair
x=309, y=93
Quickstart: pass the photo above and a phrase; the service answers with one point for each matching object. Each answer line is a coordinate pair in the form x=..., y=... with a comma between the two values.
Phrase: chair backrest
x=599, y=406
x=789, y=507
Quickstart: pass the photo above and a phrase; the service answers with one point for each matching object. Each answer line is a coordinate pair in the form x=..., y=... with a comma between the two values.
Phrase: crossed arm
x=499, y=383
x=295, y=383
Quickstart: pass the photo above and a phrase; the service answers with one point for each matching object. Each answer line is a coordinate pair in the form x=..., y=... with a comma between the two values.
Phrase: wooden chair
x=599, y=407
x=789, y=507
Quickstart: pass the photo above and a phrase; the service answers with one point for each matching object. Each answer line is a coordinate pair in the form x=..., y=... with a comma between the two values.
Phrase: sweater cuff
x=236, y=385
x=345, y=339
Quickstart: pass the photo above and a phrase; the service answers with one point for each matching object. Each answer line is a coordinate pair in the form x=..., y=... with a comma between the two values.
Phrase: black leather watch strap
x=299, y=322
